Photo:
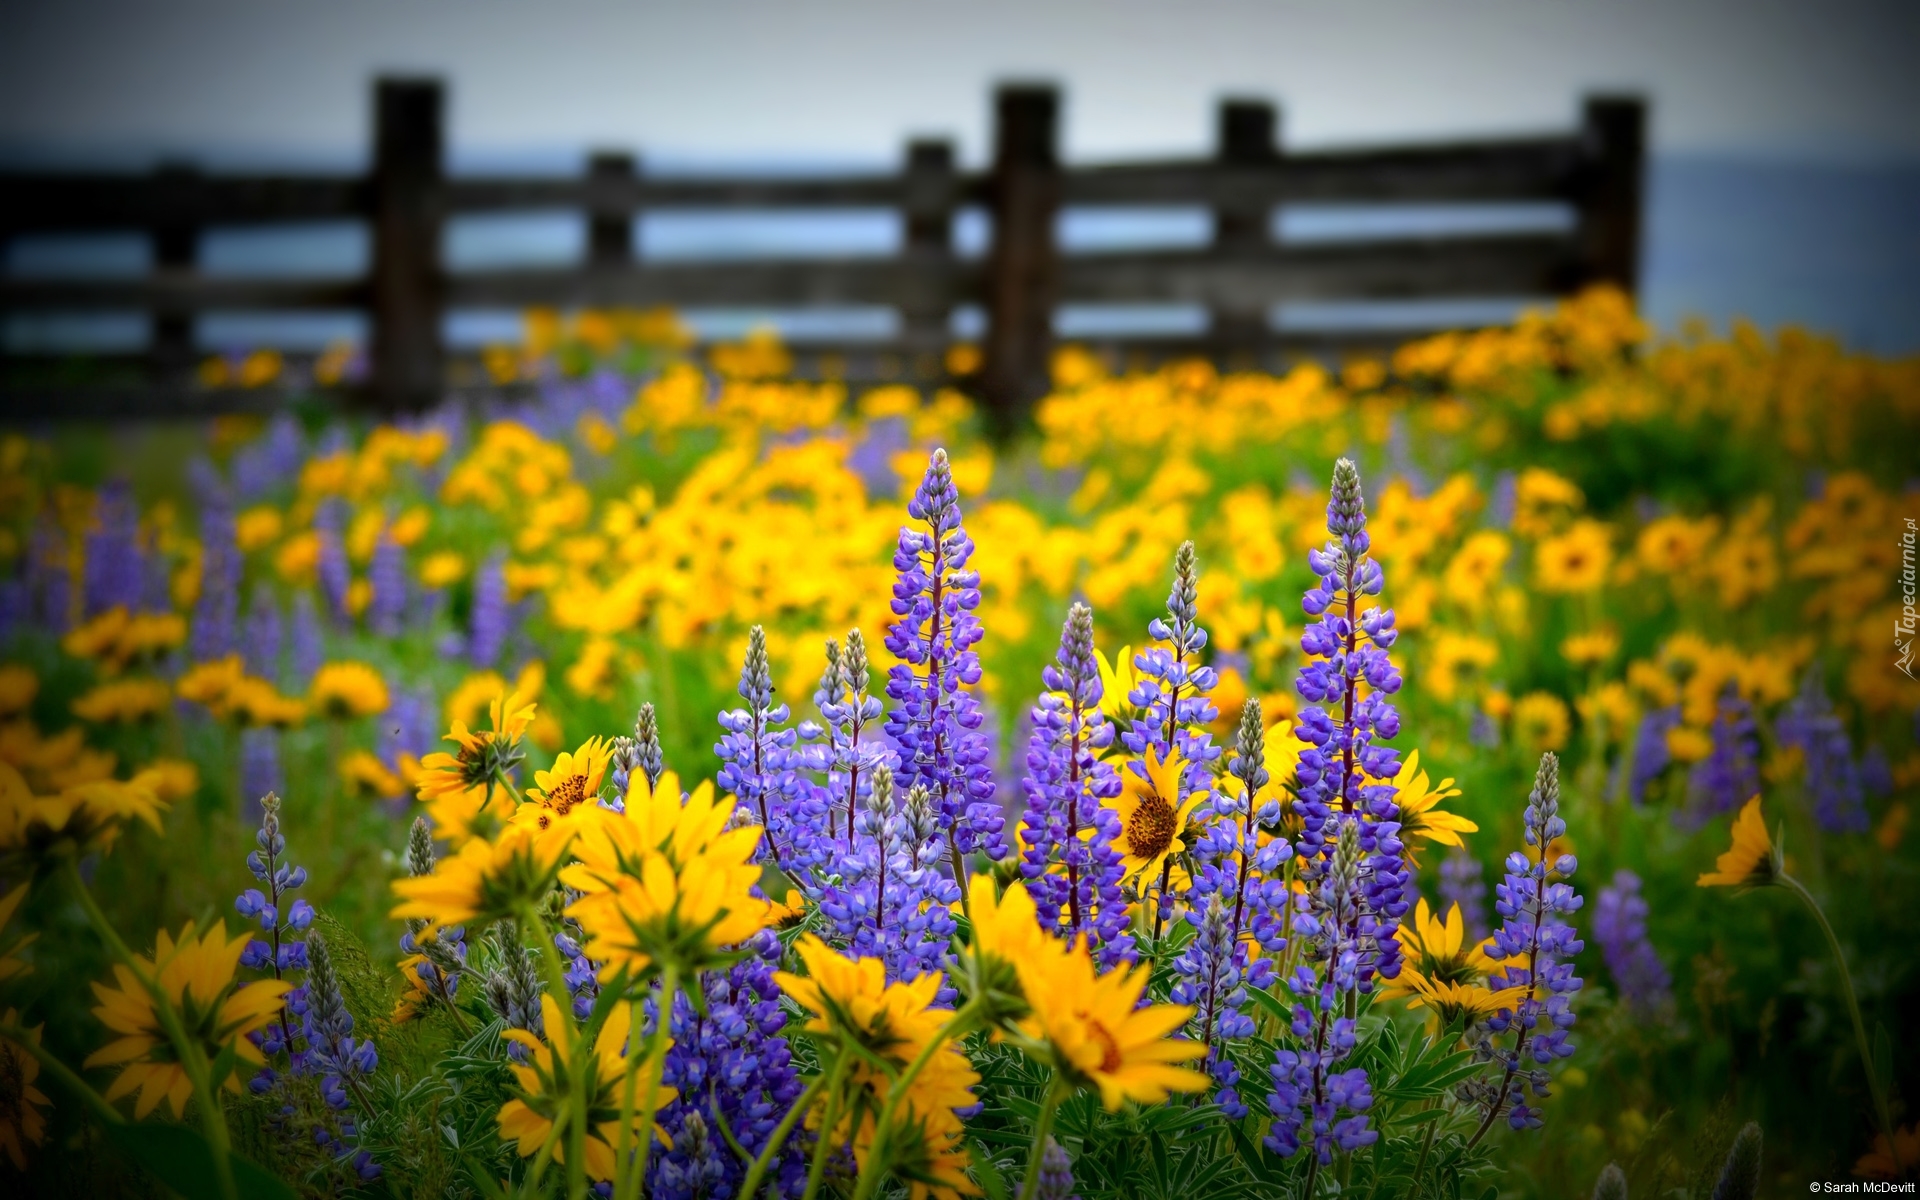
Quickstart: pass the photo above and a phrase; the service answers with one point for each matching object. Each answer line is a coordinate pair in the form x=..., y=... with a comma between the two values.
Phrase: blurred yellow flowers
x=343, y=690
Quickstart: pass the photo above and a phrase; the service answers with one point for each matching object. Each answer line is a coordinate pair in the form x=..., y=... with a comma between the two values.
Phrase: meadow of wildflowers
x=660, y=776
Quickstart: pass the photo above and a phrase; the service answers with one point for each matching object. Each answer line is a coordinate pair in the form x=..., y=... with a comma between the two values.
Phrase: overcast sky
x=850, y=79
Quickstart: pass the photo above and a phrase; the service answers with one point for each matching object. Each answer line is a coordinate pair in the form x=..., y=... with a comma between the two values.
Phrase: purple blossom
x=50, y=574
x=1730, y=773
x=1533, y=902
x=936, y=719
x=1651, y=757
x=336, y=577
x=1834, y=782
x=1620, y=926
x=260, y=636
x=757, y=764
x=387, y=607
x=1075, y=881
x=1463, y=882
x=217, y=611
x=891, y=900
x=308, y=642
x=488, y=622
x=1171, y=695
x=260, y=770
x=1056, y=1173
x=114, y=566
x=270, y=461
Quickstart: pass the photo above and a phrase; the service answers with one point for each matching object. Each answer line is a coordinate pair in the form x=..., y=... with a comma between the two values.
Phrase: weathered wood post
x=610, y=209
x=1249, y=147
x=1023, y=267
x=1614, y=137
x=176, y=249
x=926, y=300
x=408, y=208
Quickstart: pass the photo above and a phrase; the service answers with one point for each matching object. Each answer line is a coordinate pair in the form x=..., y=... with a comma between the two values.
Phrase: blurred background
x=1784, y=164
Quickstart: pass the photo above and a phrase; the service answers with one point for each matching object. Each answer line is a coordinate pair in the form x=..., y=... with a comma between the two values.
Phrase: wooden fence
x=408, y=196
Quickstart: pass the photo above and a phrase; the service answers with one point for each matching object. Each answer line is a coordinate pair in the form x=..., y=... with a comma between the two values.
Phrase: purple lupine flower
x=1620, y=925
x=1056, y=1173
x=1241, y=900
x=1308, y=1093
x=341, y=1061
x=16, y=607
x=850, y=742
x=1501, y=504
x=308, y=649
x=641, y=752
x=260, y=769
x=757, y=761
x=282, y=920
x=1730, y=773
x=1834, y=782
x=216, y=613
x=513, y=987
x=269, y=461
x=730, y=1063
x=114, y=567
x=488, y=621
x=891, y=901
x=1533, y=902
x=1651, y=757
x=1066, y=785
x=387, y=607
x=50, y=574
x=1463, y=882
x=1483, y=731
x=936, y=719
x=1171, y=693
x=336, y=576
x=1876, y=772
x=260, y=636
x=1346, y=646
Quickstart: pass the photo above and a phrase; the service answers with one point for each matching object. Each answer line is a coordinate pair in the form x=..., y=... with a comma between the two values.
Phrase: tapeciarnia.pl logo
x=1903, y=629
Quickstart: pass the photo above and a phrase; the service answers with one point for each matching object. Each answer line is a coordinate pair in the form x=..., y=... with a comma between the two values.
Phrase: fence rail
x=407, y=198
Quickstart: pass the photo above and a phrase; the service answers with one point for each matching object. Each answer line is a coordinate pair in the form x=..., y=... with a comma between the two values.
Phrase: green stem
x=1056, y=1091
x=1426, y=1147
x=106, y=1113
x=1874, y=1085
x=576, y=1164
x=632, y=1173
x=883, y=1128
x=758, y=1170
x=823, y=1147
x=192, y=1060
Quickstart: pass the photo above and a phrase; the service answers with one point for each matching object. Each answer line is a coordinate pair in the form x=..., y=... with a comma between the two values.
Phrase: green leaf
x=988, y=1173
x=179, y=1157
x=1271, y=1003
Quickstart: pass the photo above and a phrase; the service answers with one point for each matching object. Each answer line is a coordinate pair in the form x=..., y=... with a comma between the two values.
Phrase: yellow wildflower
x=123, y=701
x=482, y=881
x=1100, y=1037
x=546, y=1090
x=1153, y=817
x=1541, y=722
x=1420, y=820
x=1575, y=561
x=18, y=686
x=1752, y=860
x=196, y=976
x=344, y=690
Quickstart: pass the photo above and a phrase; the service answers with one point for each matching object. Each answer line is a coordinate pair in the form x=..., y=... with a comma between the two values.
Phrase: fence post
x=1249, y=142
x=609, y=209
x=407, y=215
x=1023, y=267
x=927, y=212
x=1614, y=133
x=176, y=245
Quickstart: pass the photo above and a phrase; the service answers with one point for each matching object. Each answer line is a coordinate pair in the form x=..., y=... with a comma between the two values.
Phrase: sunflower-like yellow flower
x=169, y=779
x=1153, y=817
x=1006, y=932
x=21, y=1121
x=211, y=684
x=1575, y=561
x=81, y=817
x=1099, y=1036
x=10, y=964
x=18, y=686
x=196, y=976
x=1752, y=860
x=665, y=882
x=1116, y=684
x=344, y=690
x=540, y=1113
x=123, y=701
x=1420, y=820
x=927, y=1153
x=566, y=790
x=482, y=881
x=254, y=701
x=366, y=776
x=1442, y=971
x=461, y=789
x=853, y=1004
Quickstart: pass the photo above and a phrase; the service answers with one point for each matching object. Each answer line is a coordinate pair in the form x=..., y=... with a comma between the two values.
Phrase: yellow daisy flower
x=1420, y=820
x=211, y=684
x=1575, y=561
x=540, y=1113
x=196, y=976
x=1153, y=818
x=461, y=789
x=344, y=690
x=482, y=881
x=567, y=789
x=1098, y=1035
x=366, y=776
x=21, y=1121
x=123, y=701
x=256, y=702
x=1442, y=971
x=1752, y=860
